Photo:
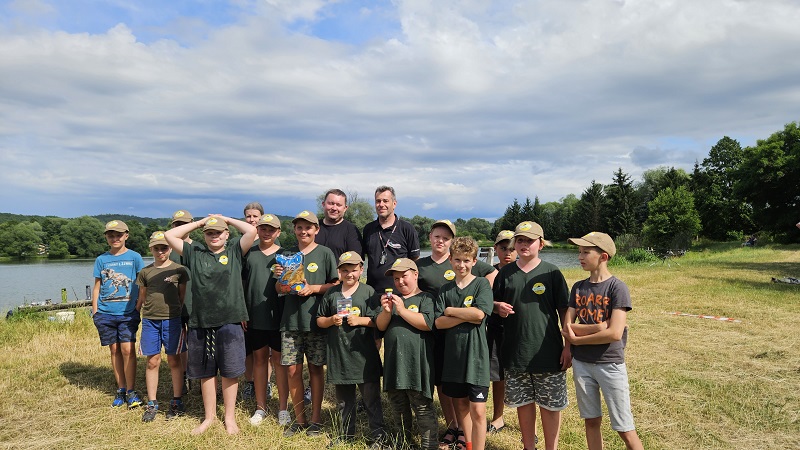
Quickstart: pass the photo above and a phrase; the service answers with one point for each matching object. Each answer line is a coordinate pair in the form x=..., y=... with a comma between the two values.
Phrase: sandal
x=461, y=441
x=448, y=438
x=491, y=429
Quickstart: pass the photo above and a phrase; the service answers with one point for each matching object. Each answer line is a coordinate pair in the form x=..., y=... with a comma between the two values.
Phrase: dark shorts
x=476, y=394
x=167, y=333
x=258, y=339
x=494, y=337
x=116, y=329
x=228, y=352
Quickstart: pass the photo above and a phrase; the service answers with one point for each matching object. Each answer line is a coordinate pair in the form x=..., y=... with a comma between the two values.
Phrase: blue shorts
x=612, y=380
x=168, y=333
x=116, y=329
x=228, y=352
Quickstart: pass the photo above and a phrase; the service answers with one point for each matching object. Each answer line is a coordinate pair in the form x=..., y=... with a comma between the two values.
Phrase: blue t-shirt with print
x=118, y=289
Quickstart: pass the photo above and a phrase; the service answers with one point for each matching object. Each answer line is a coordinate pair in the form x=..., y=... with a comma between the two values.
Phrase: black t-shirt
x=397, y=241
x=340, y=238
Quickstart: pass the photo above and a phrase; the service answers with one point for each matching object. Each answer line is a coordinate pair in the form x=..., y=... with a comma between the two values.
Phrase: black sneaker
x=176, y=408
x=314, y=429
x=294, y=429
x=150, y=411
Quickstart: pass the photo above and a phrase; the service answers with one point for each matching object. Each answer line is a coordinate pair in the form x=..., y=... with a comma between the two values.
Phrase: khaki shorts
x=296, y=344
x=548, y=390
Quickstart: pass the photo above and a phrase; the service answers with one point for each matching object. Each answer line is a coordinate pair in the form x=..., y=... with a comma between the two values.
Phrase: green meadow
x=696, y=383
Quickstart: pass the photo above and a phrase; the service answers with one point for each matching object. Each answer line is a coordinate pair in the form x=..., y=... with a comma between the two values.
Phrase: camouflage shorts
x=548, y=390
x=295, y=344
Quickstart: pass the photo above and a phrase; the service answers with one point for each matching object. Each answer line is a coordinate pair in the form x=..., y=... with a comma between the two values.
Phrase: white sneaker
x=258, y=417
x=284, y=419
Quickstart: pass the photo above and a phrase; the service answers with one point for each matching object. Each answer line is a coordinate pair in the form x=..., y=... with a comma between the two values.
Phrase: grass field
x=696, y=383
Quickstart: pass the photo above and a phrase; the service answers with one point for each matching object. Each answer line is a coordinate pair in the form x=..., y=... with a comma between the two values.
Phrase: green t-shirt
x=533, y=341
x=187, y=296
x=319, y=267
x=407, y=351
x=263, y=305
x=217, y=292
x=465, y=343
x=433, y=276
x=163, y=297
x=352, y=355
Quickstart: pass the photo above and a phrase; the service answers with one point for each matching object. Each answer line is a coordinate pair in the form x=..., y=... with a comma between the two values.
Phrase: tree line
x=732, y=193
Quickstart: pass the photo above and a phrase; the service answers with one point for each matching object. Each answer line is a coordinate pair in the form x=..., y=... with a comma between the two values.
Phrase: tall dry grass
x=696, y=383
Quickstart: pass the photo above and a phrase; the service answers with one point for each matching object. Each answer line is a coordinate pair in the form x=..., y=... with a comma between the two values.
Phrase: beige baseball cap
x=308, y=216
x=529, y=229
x=116, y=225
x=596, y=239
x=401, y=265
x=181, y=215
x=214, y=223
x=269, y=219
x=350, y=258
x=158, y=238
x=504, y=235
x=446, y=223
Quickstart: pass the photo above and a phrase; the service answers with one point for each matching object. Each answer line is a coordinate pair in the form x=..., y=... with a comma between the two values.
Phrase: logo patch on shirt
x=223, y=260
x=355, y=311
x=538, y=288
x=313, y=267
x=468, y=301
x=449, y=275
x=413, y=308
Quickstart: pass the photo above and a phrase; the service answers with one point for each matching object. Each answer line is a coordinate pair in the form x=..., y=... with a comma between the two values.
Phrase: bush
x=640, y=255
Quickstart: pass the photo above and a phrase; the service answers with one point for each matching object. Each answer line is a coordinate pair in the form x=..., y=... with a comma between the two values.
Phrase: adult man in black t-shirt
x=335, y=232
x=387, y=239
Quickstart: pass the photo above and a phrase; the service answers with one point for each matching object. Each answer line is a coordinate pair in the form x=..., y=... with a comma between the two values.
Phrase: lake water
x=26, y=282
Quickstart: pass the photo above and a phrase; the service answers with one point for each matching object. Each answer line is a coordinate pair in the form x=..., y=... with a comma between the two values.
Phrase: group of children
x=450, y=321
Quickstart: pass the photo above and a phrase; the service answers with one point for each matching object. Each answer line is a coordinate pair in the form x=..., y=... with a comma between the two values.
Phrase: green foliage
x=423, y=226
x=478, y=229
x=510, y=219
x=138, y=239
x=590, y=212
x=20, y=239
x=621, y=205
x=640, y=255
x=653, y=182
x=58, y=249
x=84, y=237
x=287, y=238
x=769, y=179
x=673, y=221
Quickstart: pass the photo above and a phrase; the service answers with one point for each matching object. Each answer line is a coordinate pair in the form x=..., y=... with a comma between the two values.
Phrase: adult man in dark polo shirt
x=335, y=232
x=387, y=239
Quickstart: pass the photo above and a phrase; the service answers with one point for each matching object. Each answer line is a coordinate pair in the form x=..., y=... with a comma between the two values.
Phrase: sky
x=146, y=107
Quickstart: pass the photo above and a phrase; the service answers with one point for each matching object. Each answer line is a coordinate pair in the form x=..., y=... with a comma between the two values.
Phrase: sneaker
x=133, y=399
x=120, y=399
x=307, y=394
x=314, y=429
x=284, y=419
x=249, y=391
x=150, y=411
x=258, y=417
x=176, y=408
x=294, y=429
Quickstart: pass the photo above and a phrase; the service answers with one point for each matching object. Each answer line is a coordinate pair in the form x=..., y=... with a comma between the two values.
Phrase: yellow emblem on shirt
x=355, y=311
x=538, y=288
x=413, y=308
x=449, y=275
x=223, y=260
x=313, y=267
x=468, y=301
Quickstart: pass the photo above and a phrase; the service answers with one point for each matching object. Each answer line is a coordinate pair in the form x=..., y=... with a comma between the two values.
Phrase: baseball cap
x=401, y=265
x=181, y=215
x=116, y=225
x=157, y=238
x=307, y=216
x=596, y=239
x=269, y=219
x=214, y=223
x=504, y=235
x=350, y=258
x=446, y=223
x=530, y=230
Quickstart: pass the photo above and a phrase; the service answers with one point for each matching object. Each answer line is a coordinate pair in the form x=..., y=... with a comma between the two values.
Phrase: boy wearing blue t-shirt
x=601, y=304
x=114, y=310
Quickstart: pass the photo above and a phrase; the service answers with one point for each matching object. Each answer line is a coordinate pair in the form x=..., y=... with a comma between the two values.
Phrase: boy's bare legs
x=631, y=439
x=176, y=370
x=317, y=380
x=260, y=377
x=551, y=427
x=151, y=375
x=477, y=413
x=498, y=394
x=527, y=421
x=230, y=388
x=208, y=388
x=281, y=380
x=461, y=411
x=594, y=438
x=118, y=365
x=128, y=354
x=295, y=372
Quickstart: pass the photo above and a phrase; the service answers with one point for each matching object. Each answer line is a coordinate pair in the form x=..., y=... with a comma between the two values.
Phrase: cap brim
x=581, y=242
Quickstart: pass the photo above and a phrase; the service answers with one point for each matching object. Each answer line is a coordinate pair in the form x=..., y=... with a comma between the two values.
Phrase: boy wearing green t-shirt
x=406, y=320
x=461, y=310
x=353, y=358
